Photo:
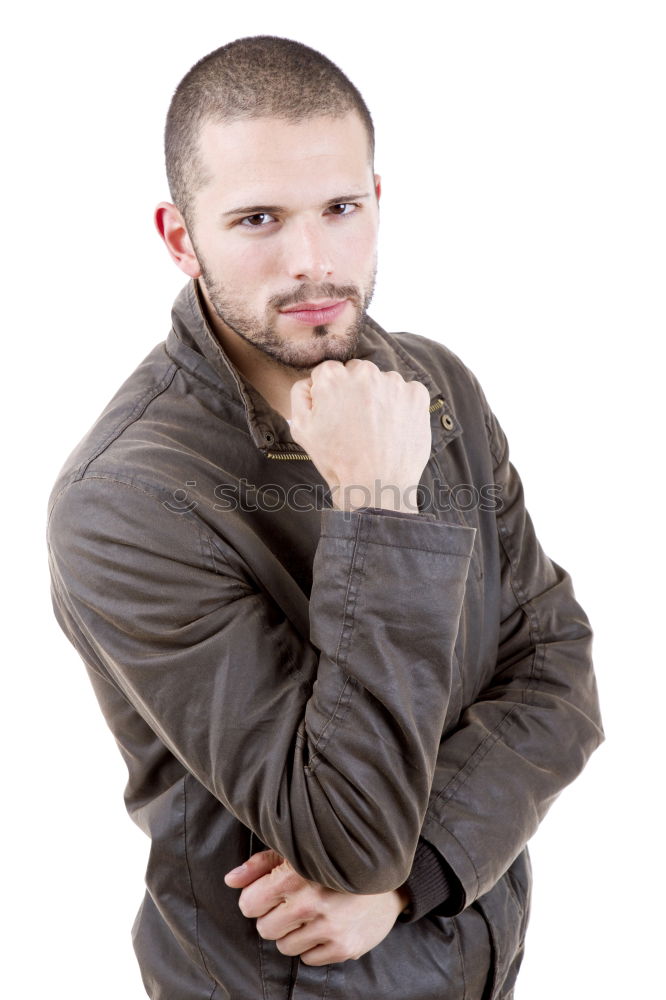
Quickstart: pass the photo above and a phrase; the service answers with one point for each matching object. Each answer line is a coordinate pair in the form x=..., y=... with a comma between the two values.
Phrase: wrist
x=403, y=898
x=382, y=496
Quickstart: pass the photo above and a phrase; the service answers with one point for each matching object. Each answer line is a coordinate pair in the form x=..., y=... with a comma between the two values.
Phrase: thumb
x=255, y=867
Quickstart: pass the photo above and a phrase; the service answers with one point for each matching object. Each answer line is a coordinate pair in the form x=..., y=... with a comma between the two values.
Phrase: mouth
x=316, y=313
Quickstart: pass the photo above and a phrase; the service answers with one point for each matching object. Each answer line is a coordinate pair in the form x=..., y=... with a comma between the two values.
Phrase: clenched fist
x=367, y=431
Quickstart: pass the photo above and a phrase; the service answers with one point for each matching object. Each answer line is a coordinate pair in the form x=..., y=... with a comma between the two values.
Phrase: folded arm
x=353, y=719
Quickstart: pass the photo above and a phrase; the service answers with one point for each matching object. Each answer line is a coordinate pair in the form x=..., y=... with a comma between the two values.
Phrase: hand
x=367, y=431
x=307, y=919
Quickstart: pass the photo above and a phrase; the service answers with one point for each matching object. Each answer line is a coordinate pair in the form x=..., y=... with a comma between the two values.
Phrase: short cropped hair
x=258, y=77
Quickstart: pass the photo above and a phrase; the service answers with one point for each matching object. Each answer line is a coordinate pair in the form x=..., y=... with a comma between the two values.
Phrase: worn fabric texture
x=340, y=686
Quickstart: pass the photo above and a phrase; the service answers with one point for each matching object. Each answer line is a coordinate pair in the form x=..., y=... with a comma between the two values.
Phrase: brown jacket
x=338, y=686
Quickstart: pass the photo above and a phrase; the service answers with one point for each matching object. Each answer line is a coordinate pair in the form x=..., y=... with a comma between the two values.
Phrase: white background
x=521, y=147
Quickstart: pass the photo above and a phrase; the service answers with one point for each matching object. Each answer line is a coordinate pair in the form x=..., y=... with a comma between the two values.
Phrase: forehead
x=262, y=156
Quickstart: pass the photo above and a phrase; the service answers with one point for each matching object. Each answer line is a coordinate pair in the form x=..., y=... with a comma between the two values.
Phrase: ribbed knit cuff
x=431, y=884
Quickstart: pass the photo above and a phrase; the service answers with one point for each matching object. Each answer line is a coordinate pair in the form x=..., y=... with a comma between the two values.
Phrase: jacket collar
x=192, y=343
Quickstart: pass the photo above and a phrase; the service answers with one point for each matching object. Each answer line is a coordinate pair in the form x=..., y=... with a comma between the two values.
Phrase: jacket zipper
x=302, y=456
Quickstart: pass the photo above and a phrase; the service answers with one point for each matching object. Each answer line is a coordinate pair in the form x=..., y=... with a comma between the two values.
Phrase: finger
x=278, y=922
x=302, y=940
x=358, y=364
x=271, y=890
x=323, y=954
x=255, y=867
x=298, y=909
x=326, y=368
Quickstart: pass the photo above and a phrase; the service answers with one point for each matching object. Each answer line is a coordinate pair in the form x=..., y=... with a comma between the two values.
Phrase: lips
x=316, y=313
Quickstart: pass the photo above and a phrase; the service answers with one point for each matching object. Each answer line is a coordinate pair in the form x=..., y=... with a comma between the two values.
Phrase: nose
x=308, y=252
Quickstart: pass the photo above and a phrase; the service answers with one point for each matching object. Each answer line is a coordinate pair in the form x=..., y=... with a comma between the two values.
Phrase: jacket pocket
x=506, y=911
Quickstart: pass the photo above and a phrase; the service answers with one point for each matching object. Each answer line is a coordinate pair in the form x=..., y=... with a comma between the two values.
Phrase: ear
x=171, y=227
x=378, y=186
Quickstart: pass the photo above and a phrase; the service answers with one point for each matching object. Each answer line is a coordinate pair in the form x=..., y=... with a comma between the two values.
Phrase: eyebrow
x=277, y=209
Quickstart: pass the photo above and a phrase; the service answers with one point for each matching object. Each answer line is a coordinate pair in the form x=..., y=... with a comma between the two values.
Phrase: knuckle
x=326, y=368
x=418, y=388
x=284, y=883
x=271, y=857
x=363, y=366
x=339, y=955
x=263, y=931
x=285, y=949
x=303, y=911
x=317, y=961
x=290, y=881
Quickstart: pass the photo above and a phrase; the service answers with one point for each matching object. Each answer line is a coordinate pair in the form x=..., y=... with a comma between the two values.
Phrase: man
x=295, y=559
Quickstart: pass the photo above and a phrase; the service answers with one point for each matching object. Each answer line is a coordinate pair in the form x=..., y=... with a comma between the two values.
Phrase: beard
x=323, y=345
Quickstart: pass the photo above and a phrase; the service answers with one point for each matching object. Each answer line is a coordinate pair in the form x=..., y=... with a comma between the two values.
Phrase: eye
x=343, y=208
x=257, y=221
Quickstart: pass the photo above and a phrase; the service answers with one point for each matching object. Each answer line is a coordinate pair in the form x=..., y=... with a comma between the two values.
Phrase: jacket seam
x=527, y=607
x=194, y=899
x=262, y=971
x=193, y=521
x=456, y=934
x=498, y=456
x=342, y=704
x=462, y=775
x=326, y=983
x=137, y=411
x=93, y=477
x=475, y=558
x=350, y=605
x=337, y=715
x=418, y=548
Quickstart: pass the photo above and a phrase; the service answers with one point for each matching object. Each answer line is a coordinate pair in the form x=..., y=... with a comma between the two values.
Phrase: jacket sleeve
x=326, y=749
x=531, y=730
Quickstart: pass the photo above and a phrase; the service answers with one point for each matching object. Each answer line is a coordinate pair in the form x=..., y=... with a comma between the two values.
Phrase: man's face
x=289, y=218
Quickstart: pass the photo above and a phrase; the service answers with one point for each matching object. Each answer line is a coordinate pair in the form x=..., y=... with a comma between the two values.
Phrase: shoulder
x=150, y=379
x=439, y=360
x=424, y=356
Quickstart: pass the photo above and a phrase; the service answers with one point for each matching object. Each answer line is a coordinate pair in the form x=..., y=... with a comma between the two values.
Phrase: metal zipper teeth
x=285, y=456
